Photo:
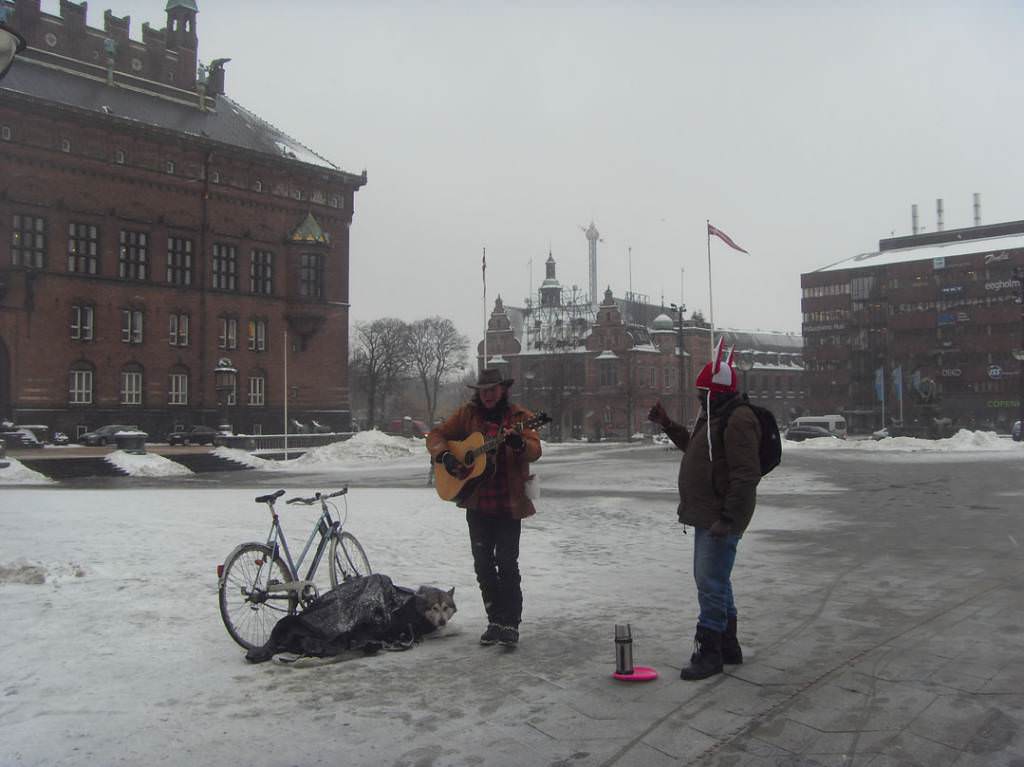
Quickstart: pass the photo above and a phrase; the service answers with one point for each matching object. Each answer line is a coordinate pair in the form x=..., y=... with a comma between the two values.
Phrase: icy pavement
x=880, y=618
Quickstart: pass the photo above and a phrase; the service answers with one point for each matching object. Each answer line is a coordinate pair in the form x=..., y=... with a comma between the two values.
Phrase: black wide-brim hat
x=491, y=377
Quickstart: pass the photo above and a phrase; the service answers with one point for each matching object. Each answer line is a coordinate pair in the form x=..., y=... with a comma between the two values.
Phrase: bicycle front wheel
x=348, y=560
x=249, y=609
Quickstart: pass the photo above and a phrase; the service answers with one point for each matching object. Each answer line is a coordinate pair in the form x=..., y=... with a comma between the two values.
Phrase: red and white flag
x=725, y=238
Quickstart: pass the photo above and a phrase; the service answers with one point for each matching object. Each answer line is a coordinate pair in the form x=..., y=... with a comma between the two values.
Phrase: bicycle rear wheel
x=348, y=560
x=248, y=611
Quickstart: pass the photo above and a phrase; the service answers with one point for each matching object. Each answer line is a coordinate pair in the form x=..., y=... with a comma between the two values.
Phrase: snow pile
x=247, y=459
x=364, y=446
x=19, y=474
x=964, y=441
x=146, y=465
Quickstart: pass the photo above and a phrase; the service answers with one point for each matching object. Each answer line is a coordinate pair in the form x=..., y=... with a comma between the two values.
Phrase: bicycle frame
x=279, y=543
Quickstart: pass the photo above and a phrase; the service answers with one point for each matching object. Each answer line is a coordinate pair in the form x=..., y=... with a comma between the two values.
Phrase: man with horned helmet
x=718, y=479
x=496, y=506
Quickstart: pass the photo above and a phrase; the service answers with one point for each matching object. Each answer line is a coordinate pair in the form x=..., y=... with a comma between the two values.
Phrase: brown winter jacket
x=470, y=418
x=727, y=488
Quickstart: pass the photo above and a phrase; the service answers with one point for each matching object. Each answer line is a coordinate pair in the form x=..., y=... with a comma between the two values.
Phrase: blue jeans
x=713, y=559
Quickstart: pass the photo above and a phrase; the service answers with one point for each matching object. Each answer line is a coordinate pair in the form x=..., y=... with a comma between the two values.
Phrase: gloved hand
x=659, y=416
x=451, y=464
x=515, y=441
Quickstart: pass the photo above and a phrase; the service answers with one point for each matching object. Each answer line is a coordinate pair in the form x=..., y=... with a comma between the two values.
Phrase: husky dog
x=436, y=606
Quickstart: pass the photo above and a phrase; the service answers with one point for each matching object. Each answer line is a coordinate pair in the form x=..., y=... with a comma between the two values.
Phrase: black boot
x=732, y=655
x=707, y=660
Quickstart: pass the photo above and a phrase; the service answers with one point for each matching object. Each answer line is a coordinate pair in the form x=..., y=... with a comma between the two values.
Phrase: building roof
x=927, y=252
x=170, y=109
x=188, y=5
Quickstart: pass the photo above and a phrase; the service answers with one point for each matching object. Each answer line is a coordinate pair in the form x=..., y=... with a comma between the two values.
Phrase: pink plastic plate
x=640, y=674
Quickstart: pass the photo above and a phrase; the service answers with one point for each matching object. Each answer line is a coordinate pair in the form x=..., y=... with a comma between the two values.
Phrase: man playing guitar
x=497, y=502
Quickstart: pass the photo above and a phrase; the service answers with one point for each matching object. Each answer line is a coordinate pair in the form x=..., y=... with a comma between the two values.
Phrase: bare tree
x=379, y=358
x=436, y=350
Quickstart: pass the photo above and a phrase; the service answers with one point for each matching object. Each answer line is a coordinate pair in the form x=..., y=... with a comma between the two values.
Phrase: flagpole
x=483, y=272
x=711, y=296
x=883, y=395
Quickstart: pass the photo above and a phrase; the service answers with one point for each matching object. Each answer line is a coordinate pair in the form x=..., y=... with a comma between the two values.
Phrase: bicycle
x=257, y=587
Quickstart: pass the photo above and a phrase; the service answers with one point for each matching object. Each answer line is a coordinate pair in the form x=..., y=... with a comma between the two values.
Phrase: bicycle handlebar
x=317, y=498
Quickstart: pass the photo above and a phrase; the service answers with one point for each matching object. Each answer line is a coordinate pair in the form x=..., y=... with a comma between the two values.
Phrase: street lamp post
x=745, y=363
x=11, y=44
x=529, y=375
x=683, y=399
x=225, y=377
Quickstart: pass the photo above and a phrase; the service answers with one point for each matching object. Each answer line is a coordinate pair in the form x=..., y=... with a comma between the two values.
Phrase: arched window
x=80, y=383
x=131, y=384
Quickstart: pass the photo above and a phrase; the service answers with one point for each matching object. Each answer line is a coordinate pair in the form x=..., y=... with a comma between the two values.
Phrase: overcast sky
x=805, y=133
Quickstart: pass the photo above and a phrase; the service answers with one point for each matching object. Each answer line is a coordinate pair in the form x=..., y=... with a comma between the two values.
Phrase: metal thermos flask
x=623, y=649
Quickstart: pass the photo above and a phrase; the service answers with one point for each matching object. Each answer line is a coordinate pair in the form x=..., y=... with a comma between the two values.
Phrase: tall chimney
x=914, y=226
x=977, y=209
x=939, y=226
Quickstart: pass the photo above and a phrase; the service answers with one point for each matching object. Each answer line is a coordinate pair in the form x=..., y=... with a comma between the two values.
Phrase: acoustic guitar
x=473, y=453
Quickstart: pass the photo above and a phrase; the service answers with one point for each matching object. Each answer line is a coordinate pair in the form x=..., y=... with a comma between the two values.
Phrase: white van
x=835, y=424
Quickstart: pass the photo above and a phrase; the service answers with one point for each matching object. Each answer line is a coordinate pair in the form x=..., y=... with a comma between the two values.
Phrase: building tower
x=593, y=237
x=550, y=289
x=183, y=38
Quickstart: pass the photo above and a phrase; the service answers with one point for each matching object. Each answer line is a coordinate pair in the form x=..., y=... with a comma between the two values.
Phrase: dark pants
x=495, y=542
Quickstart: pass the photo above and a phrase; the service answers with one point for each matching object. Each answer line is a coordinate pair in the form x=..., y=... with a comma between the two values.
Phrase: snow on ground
x=146, y=465
x=963, y=442
x=371, y=445
x=121, y=657
x=18, y=473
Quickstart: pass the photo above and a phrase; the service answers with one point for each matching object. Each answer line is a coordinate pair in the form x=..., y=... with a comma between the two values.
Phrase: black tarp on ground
x=360, y=614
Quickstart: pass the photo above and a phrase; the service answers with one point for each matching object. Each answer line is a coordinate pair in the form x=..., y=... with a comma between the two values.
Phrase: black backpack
x=769, y=451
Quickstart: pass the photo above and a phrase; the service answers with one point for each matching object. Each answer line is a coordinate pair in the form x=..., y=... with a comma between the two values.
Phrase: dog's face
x=436, y=605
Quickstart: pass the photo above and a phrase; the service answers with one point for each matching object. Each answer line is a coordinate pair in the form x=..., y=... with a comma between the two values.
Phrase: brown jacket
x=470, y=418
x=725, y=488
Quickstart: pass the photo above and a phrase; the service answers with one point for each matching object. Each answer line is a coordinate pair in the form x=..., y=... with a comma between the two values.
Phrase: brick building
x=152, y=226
x=597, y=373
x=935, y=312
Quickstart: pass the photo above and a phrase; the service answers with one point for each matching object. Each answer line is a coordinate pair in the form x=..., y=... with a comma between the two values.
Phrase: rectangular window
x=257, y=391
x=28, y=241
x=609, y=374
x=80, y=390
x=81, y=322
x=228, y=338
x=131, y=326
x=133, y=259
x=83, y=248
x=131, y=388
x=178, y=329
x=232, y=394
x=667, y=378
x=177, y=394
x=179, y=261
x=225, y=267
x=311, y=275
x=257, y=335
x=261, y=273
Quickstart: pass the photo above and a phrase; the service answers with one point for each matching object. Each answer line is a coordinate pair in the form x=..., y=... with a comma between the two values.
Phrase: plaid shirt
x=492, y=496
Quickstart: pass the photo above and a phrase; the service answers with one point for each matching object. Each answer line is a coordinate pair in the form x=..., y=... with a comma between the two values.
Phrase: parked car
x=197, y=435
x=1015, y=432
x=20, y=439
x=800, y=433
x=104, y=435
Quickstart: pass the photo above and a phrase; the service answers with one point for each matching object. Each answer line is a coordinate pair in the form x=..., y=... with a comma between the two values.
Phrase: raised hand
x=658, y=415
